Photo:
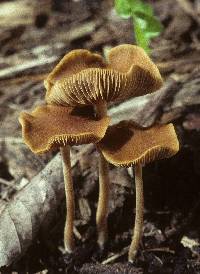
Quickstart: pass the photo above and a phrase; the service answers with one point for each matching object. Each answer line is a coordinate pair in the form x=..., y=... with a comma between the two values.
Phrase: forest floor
x=30, y=46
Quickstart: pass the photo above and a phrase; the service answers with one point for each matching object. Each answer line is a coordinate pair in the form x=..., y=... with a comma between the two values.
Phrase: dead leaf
x=32, y=208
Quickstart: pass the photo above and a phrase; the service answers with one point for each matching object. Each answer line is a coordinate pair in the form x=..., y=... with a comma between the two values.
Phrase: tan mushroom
x=83, y=78
x=127, y=145
x=49, y=127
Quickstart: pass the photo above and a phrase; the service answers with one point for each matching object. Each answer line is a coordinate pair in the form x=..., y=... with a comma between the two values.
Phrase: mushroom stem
x=137, y=232
x=102, y=208
x=101, y=109
x=70, y=205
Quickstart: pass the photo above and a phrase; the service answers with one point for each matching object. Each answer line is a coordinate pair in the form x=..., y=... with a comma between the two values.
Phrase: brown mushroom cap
x=143, y=74
x=84, y=78
x=125, y=144
x=49, y=127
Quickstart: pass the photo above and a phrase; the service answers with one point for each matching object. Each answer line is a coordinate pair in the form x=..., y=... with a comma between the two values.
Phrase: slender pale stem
x=70, y=204
x=103, y=201
x=137, y=232
x=102, y=208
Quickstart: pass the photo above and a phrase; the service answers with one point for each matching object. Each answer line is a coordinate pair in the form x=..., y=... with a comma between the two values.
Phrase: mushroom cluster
x=75, y=113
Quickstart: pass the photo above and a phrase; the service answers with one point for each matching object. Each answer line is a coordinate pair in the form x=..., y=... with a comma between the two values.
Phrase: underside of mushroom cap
x=125, y=144
x=88, y=87
x=84, y=78
x=49, y=127
x=72, y=63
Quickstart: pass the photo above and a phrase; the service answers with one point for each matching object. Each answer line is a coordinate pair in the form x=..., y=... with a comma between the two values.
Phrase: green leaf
x=151, y=25
x=146, y=27
x=139, y=6
x=123, y=8
x=140, y=36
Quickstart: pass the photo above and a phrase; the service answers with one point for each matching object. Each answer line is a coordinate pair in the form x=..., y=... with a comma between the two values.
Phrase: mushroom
x=49, y=127
x=82, y=80
x=127, y=145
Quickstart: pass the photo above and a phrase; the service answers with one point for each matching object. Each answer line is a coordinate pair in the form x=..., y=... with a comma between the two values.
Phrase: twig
x=11, y=140
x=11, y=71
x=77, y=233
x=116, y=256
x=5, y=182
x=24, y=78
x=160, y=249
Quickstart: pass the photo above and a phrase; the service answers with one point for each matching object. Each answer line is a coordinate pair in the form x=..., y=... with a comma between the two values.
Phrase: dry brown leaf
x=32, y=208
